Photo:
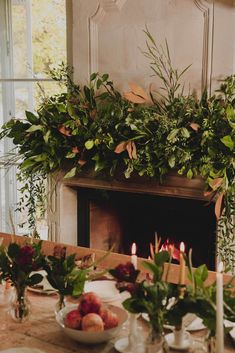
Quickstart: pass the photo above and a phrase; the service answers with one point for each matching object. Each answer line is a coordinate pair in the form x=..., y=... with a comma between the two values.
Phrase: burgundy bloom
x=125, y=272
x=59, y=251
x=26, y=254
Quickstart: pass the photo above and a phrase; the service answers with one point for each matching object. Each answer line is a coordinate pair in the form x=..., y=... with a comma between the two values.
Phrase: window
x=32, y=40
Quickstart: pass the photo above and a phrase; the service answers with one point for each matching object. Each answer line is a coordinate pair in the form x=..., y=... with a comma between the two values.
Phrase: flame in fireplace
x=168, y=246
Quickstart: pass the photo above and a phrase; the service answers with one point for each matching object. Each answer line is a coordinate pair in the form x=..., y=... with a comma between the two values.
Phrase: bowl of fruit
x=90, y=321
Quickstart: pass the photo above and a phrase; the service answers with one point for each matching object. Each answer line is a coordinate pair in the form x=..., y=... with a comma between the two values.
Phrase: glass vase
x=60, y=304
x=155, y=342
x=19, y=305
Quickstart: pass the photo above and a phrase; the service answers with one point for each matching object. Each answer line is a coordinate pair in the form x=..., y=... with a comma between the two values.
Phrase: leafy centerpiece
x=64, y=275
x=17, y=264
x=95, y=127
x=165, y=303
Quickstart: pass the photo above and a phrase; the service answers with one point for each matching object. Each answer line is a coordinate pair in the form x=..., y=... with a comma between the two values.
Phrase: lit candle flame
x=220, y=267
x=133, y=249
x=182, y=247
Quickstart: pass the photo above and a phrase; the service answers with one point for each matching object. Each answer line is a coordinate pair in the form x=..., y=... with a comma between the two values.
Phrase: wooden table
x=42, y=331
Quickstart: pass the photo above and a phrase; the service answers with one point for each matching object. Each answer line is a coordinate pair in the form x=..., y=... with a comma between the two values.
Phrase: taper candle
x=182, y=264
x=134, y=256
x=219, y=310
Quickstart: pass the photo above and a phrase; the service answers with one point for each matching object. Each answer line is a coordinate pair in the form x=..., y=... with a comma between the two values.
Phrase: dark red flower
x=26, y=254
x=59, y=251
x=125, y=272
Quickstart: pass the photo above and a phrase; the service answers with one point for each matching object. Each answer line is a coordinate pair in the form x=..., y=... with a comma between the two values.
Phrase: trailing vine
x=95, y=127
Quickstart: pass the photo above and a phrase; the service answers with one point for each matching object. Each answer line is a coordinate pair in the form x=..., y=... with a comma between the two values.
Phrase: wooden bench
x=112, y=260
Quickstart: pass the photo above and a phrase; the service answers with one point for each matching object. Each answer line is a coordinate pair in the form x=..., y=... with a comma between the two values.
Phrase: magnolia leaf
x=65, y=130
x=93, y=114
x=75, y=149
x=71, y=173
x=133, y=98
x=89, y=144
x=34, y=128
x=208, y=193
x=215, y=183
x=138, y=91
x=195, y=126
x=218, y=206
x=121, y=147
x=131, y=149
x=82, y=162
x=228, y=142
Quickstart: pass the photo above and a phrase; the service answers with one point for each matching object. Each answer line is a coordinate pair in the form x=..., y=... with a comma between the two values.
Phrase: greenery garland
x=96, y=127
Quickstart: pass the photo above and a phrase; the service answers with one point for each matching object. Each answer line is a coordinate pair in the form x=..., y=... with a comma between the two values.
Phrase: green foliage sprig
x=95, y=127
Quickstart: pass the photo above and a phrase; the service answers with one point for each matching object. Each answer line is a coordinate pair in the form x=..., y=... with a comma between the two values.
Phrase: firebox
x=113, y=217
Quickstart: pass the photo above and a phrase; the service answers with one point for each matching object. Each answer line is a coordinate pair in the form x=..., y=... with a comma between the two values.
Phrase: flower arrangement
x=165, y=303
x=95, y=127
x=150, y=297
x=64, y=275
x=17, y=264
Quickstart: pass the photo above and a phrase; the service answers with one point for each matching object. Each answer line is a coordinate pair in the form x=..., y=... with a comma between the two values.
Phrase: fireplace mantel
x=173, y=186
x=62, y=213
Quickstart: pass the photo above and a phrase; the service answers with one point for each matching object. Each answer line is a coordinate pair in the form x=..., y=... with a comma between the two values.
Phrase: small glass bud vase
x=19, y=305
x=156, y=343
x=60, y=304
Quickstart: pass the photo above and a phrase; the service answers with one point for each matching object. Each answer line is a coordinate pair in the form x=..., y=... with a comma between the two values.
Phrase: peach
x=92, y=322
x=89, y=303
x=73, y=319
x=109, y=318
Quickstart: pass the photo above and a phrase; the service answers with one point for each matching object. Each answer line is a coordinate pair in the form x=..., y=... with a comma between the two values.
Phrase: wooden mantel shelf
x=174, y=185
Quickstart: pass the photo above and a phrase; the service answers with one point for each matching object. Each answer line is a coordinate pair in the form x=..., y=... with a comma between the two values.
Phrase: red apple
x=89, y=303
x=92, y=322
x=73, y=319
x=109, y=318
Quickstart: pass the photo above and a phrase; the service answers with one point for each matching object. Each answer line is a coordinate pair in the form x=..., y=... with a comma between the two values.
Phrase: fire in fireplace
x=108, y=217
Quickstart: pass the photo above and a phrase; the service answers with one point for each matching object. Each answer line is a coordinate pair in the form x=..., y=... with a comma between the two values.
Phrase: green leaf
x=172, y=134
x=13, y=250
x=71, y=173
x=70, y=155
x=190, y=174
x=89, y=144
x=161, y=257
x=61, y=107
x=35, y=279
x=27, y=164
x=150, y=266
x=184, y=132
x=46, y=136
x=93, y=76
x=34, y=128
x=105, y=77
x=32, y=118
x=228, y=142
x=99, y=83
x=171, y=161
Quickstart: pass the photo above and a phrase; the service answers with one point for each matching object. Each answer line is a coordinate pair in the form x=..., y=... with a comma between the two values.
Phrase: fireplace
x=121, y=218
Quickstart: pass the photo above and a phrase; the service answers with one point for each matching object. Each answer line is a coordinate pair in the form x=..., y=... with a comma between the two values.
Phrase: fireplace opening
x=108, y=217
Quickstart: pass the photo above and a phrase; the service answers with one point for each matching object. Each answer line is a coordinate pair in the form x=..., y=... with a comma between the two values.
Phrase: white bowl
x=92, y=337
